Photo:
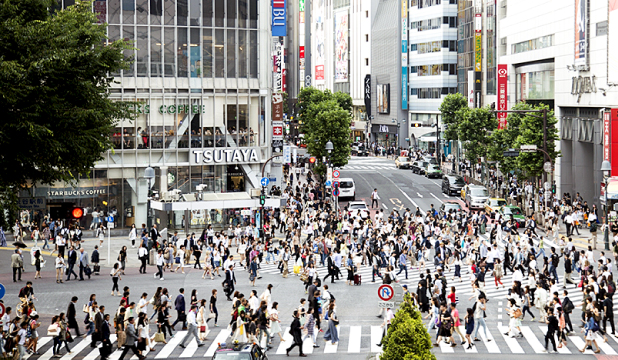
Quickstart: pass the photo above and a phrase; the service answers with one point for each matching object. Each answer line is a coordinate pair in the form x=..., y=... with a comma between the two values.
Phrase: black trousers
x=126, y=350
x=609, y=317
x=142, y=268
x=16, y=271
x=550, y=337
x=299, y=343
x=567, y=322
x=71, y=271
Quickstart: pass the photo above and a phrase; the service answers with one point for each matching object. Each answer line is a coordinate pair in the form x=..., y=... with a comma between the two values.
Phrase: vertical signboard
x=278, y=69
x=612, y=38
x=404, y=54
x=502, y=94
x=277, y=103
x=471, y=89
x=368, y=94
x=318, y=15
x=607, y=136
x=278, y=22
x=301, y=43
x=613, y=148
x=581, y=32
x=341, y=46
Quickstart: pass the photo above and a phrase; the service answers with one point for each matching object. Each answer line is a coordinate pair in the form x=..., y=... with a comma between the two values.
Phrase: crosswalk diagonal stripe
x=561, y=350
x=532, y=340
x=285, y=344
x=171, y=344
x=220, y=339
x=511, y=342
x=329, y=347
x=354, y=344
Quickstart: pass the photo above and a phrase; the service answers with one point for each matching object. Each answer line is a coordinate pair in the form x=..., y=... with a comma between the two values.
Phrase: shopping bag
x=159, y=337
x=297, y=269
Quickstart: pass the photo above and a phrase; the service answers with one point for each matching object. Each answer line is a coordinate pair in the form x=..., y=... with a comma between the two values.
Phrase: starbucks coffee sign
x=225, y=156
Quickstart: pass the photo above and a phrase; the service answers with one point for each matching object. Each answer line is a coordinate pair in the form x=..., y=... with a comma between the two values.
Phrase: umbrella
x=20, y=244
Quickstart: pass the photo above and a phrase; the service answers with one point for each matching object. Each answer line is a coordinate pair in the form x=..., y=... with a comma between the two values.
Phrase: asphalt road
x=357, y=305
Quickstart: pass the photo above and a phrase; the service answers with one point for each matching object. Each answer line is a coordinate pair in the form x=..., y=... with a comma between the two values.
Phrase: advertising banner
x=478, y=51
x=277, y=130
x=471, y=89
x=277, y=107
x=613, y=148
x=612, y=51
x=581, y=32
x=318, y=28
x=404, y=54
x=368, y=94
x=341, y=46
x=279, y=16
x=502, y=94
x=607, y=136
x=384, y=98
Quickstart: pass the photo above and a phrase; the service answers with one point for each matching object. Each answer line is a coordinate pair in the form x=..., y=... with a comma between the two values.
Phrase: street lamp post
x=606, y=167
x=149, y=174
x=438, y=139
x=329, y=148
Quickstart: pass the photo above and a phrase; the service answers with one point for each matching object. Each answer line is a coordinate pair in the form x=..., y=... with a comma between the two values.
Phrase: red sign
x=277, y=130
x=606, y=135
x=385, y=292
x=502, y=94
x=284, y=84
x=2, y=309
x=301, y=52
x=319, y=72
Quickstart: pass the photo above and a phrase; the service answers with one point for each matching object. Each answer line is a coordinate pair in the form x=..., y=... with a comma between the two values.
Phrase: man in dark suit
x=330, y=265
x=180, y=307
x=106, y=348
x=72, y=260
x=296, y=332
x=71, y=316
x=230, y=280
x=99, y=319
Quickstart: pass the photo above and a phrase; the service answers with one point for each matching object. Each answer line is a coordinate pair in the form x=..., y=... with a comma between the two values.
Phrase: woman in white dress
x=202, y=320
x=240, y=334
x=180, y=254
x=133, y=235
x=275, y=323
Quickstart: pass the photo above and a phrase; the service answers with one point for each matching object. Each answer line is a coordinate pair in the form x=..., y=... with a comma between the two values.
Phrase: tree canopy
x=454, y=108
x=326, y=117
x=55, y=68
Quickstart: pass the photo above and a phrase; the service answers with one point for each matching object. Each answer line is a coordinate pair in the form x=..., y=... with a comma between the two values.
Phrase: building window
x=366, y=37
x=366, y=61
x=366, y=13
x=534, y=44
x=413, y=47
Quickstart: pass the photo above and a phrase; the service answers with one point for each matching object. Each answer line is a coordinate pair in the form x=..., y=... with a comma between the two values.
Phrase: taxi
x=493, y=204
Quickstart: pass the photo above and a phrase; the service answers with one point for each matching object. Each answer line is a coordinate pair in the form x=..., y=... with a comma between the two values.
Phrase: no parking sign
x=385, y=296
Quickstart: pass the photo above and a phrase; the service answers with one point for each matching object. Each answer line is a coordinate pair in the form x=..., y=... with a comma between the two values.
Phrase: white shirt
x=191, y=318
x=5, y=321
x=254, y=303
x=143, y=305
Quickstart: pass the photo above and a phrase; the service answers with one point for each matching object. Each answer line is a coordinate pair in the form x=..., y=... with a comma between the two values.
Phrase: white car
x=347, y=188
x=358, y=207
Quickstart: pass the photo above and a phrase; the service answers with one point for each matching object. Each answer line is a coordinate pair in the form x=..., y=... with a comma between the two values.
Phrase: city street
x=359, y=327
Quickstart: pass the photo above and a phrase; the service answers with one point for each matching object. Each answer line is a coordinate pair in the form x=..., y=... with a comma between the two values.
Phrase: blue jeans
x=539, y=253
x=269, y=255
x=403, y=267
x=552, y=271
x=481, y=322
x=90, y=327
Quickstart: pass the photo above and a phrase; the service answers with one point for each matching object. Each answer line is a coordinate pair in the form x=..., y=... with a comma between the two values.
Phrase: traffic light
x=77, y=213
x=312, y=160
x=262, y=197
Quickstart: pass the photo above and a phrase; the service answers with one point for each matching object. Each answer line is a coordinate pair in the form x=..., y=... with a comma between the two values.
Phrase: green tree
x=503, y=139
x=454, y=108
x=475, y=130
x=54, y=80
x=326, y=117
x=407, y=337
x=531, y=133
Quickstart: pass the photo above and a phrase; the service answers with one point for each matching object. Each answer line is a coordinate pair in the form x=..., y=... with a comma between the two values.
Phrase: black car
x=452, y=184
x=359, y=150
x=239, y=351
x=419, y=166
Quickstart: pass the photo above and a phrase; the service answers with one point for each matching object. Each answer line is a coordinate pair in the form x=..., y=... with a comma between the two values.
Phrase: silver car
x=476, y=196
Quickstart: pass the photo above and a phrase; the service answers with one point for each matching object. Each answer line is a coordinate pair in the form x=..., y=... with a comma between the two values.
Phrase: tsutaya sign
x=225, y=156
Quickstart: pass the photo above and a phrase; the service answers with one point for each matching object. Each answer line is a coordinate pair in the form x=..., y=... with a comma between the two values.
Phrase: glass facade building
x=200, y=73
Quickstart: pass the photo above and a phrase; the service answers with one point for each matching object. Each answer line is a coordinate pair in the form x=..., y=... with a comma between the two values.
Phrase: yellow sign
x=404, y=8
x=478, y=54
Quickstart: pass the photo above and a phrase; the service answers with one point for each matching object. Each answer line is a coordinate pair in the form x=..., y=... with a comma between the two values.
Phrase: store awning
x=237, y=200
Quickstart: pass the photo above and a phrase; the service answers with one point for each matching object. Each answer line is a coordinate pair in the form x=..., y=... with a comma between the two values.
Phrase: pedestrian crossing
x=353, y=339
x=370, y=167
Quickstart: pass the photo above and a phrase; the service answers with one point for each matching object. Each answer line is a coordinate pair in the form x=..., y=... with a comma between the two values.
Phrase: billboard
x=278, y=19
x=502, y=76
x=318, y=34
x=341, y=46
x=478, y=51
x=384, y=98
x=612, y=51
x=404, y=54
x=471, y=89
x=581, y=32
x=367, y=92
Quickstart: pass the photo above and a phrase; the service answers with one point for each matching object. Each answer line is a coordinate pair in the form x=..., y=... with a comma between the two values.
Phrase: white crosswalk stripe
x=350, y=342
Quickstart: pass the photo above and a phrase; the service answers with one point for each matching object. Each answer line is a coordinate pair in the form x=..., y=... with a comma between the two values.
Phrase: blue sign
x=336, y=192
x=279, y=17
x=327, y=183
x=2, y=291
x=110, y=219
x=336, y=184
x=272, y=179
x=264, y=181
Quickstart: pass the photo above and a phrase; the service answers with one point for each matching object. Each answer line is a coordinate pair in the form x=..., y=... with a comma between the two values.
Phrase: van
x=347, y=188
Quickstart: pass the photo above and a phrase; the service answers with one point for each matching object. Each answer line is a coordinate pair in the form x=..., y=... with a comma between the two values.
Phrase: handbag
x=87, y=271
x=52, y=330
x=212, y=315
x=251, y=277
x=159, y=337
x=85, y=308
x=177, y=260
x=203, y=328
x=69, y=337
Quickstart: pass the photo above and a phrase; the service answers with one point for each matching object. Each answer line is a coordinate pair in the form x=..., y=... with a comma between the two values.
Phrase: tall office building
x=201, y=74
x=432, y=55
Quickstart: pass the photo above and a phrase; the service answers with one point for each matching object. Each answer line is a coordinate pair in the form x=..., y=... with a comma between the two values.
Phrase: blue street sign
x=336, y=192
x=272, y=179
x=2, y=291
x=264, y=181
x=335, y=184
x=327, y=183
x=110, y=219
